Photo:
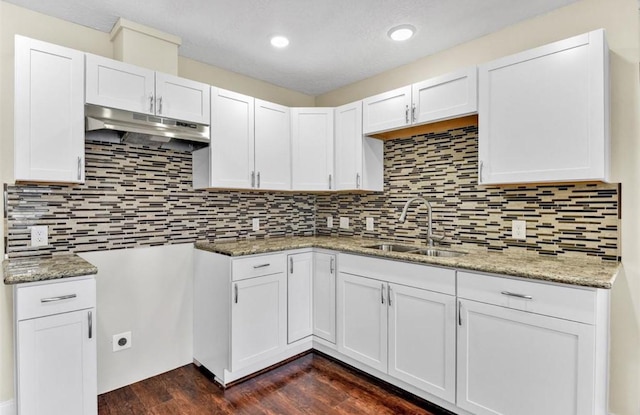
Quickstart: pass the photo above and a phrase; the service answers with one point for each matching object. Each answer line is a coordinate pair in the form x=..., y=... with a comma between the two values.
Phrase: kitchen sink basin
x=393, y=247
x=416, y=250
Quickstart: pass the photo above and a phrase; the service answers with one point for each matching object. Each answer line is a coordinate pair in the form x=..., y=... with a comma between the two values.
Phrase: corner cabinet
x=444, y=97
x=324, y=296
x=312, y=148
x=359, y=160
x=544, y=114
x=528, y=348
x=56, y=369
x=49, y=113
x=299, y=296
x=120, y=85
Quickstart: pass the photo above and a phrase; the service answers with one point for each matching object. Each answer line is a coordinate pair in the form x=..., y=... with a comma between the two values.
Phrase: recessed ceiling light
x=401, y=33
x=279, y=42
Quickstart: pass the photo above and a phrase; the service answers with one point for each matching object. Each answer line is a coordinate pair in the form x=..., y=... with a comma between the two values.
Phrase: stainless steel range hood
x=147, y=129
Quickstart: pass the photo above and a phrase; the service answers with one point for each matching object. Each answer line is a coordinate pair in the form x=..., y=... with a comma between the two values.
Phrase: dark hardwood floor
x=311, y=384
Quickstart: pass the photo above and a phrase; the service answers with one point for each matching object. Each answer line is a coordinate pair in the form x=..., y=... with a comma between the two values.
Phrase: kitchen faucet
x=403, y=217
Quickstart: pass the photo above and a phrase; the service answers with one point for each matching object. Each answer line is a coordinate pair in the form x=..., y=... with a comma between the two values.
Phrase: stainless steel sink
x=438, y=252
x=393, y=247
x=416, y=250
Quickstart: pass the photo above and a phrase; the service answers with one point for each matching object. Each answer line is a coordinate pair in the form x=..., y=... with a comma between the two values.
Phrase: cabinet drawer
x=571, y=303
x=257, y=266
x=45, y=299
x=437, y=279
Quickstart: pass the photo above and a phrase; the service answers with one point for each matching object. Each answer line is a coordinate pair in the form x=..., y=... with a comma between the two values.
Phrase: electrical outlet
x=519, y=229
x=369, y=224
x=344, y=223
x=39, y=235
x=329, y=221
x=121, y=341
x=256, y=224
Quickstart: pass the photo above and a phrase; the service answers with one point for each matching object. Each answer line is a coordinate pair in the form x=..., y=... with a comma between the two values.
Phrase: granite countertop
x=588, y=272
x=32, y=269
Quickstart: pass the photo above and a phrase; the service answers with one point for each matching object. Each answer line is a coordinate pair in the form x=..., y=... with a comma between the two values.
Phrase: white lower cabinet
x=513, y=361
x=405, y=331
x=324, y=296
x=258, y=319
x=56, y=371
x=299, y=296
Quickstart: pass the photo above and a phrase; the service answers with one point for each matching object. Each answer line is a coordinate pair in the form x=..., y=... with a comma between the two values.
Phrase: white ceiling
x=333, y=42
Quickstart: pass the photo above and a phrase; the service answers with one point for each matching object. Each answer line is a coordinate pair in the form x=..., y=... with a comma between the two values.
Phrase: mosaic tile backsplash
x=573, y=219
x=137, y=196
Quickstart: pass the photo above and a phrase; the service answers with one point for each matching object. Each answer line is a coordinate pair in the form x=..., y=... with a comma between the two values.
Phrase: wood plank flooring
x=310, y=384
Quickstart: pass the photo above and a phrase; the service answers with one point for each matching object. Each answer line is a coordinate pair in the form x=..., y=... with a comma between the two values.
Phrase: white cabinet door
x=299, y=296
x=362, y=320
x=387, y=111
x=448, y=96
x=56, y=360
x=422, y=339
x=312, y=144
x=120, y=85
x=49, y=112
x=324, y=296
x=258, y=319
x=544, y=114
x=359, y=160
x=182, y=99
x=272, y=146
x=512, y=362
x=232, y=136
x=348, y=146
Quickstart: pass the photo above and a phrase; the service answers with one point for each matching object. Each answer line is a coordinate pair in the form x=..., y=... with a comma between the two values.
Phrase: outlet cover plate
x=329, y=221
x=118, y=338
x=39, y=235
x=370, y=226
x=256, y=224
x=344, y=222
x=519, y=229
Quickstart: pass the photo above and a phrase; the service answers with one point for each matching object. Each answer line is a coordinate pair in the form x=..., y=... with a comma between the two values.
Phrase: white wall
x=148, y=291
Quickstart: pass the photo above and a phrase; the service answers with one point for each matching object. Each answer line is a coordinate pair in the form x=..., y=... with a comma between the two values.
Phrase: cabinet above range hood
x=148, y=130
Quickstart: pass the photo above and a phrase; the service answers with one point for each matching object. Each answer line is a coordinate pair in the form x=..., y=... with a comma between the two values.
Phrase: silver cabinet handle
x=79, y=167
x=406, y=114
x=459, y=313
x=235, y=287
x=290, y=265
x=60, y=298
x=330, y=180
x=480, y=171
x=357, y=180
x=332, y=265
x=260, y=266
x=151, y=103
x=160, y=105
x=382, y=293
x=523, y=296
x=413, y=112
x=258, y=180
x=90, y=320
x=253, y=179
x=389, y=292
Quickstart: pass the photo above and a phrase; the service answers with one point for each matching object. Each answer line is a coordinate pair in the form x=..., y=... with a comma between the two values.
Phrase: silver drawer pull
x=260, y=266
x=510, y=294
x=53, y=299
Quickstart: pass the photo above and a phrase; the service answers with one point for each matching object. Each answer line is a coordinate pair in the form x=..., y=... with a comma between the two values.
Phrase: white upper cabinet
x=120, y=85
x=358, y=160
x=312, y=145
x=387, y=111
x=49, y=112
x=272, y=146
x=544, y=114
x=444, y=97
x=451, y=95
